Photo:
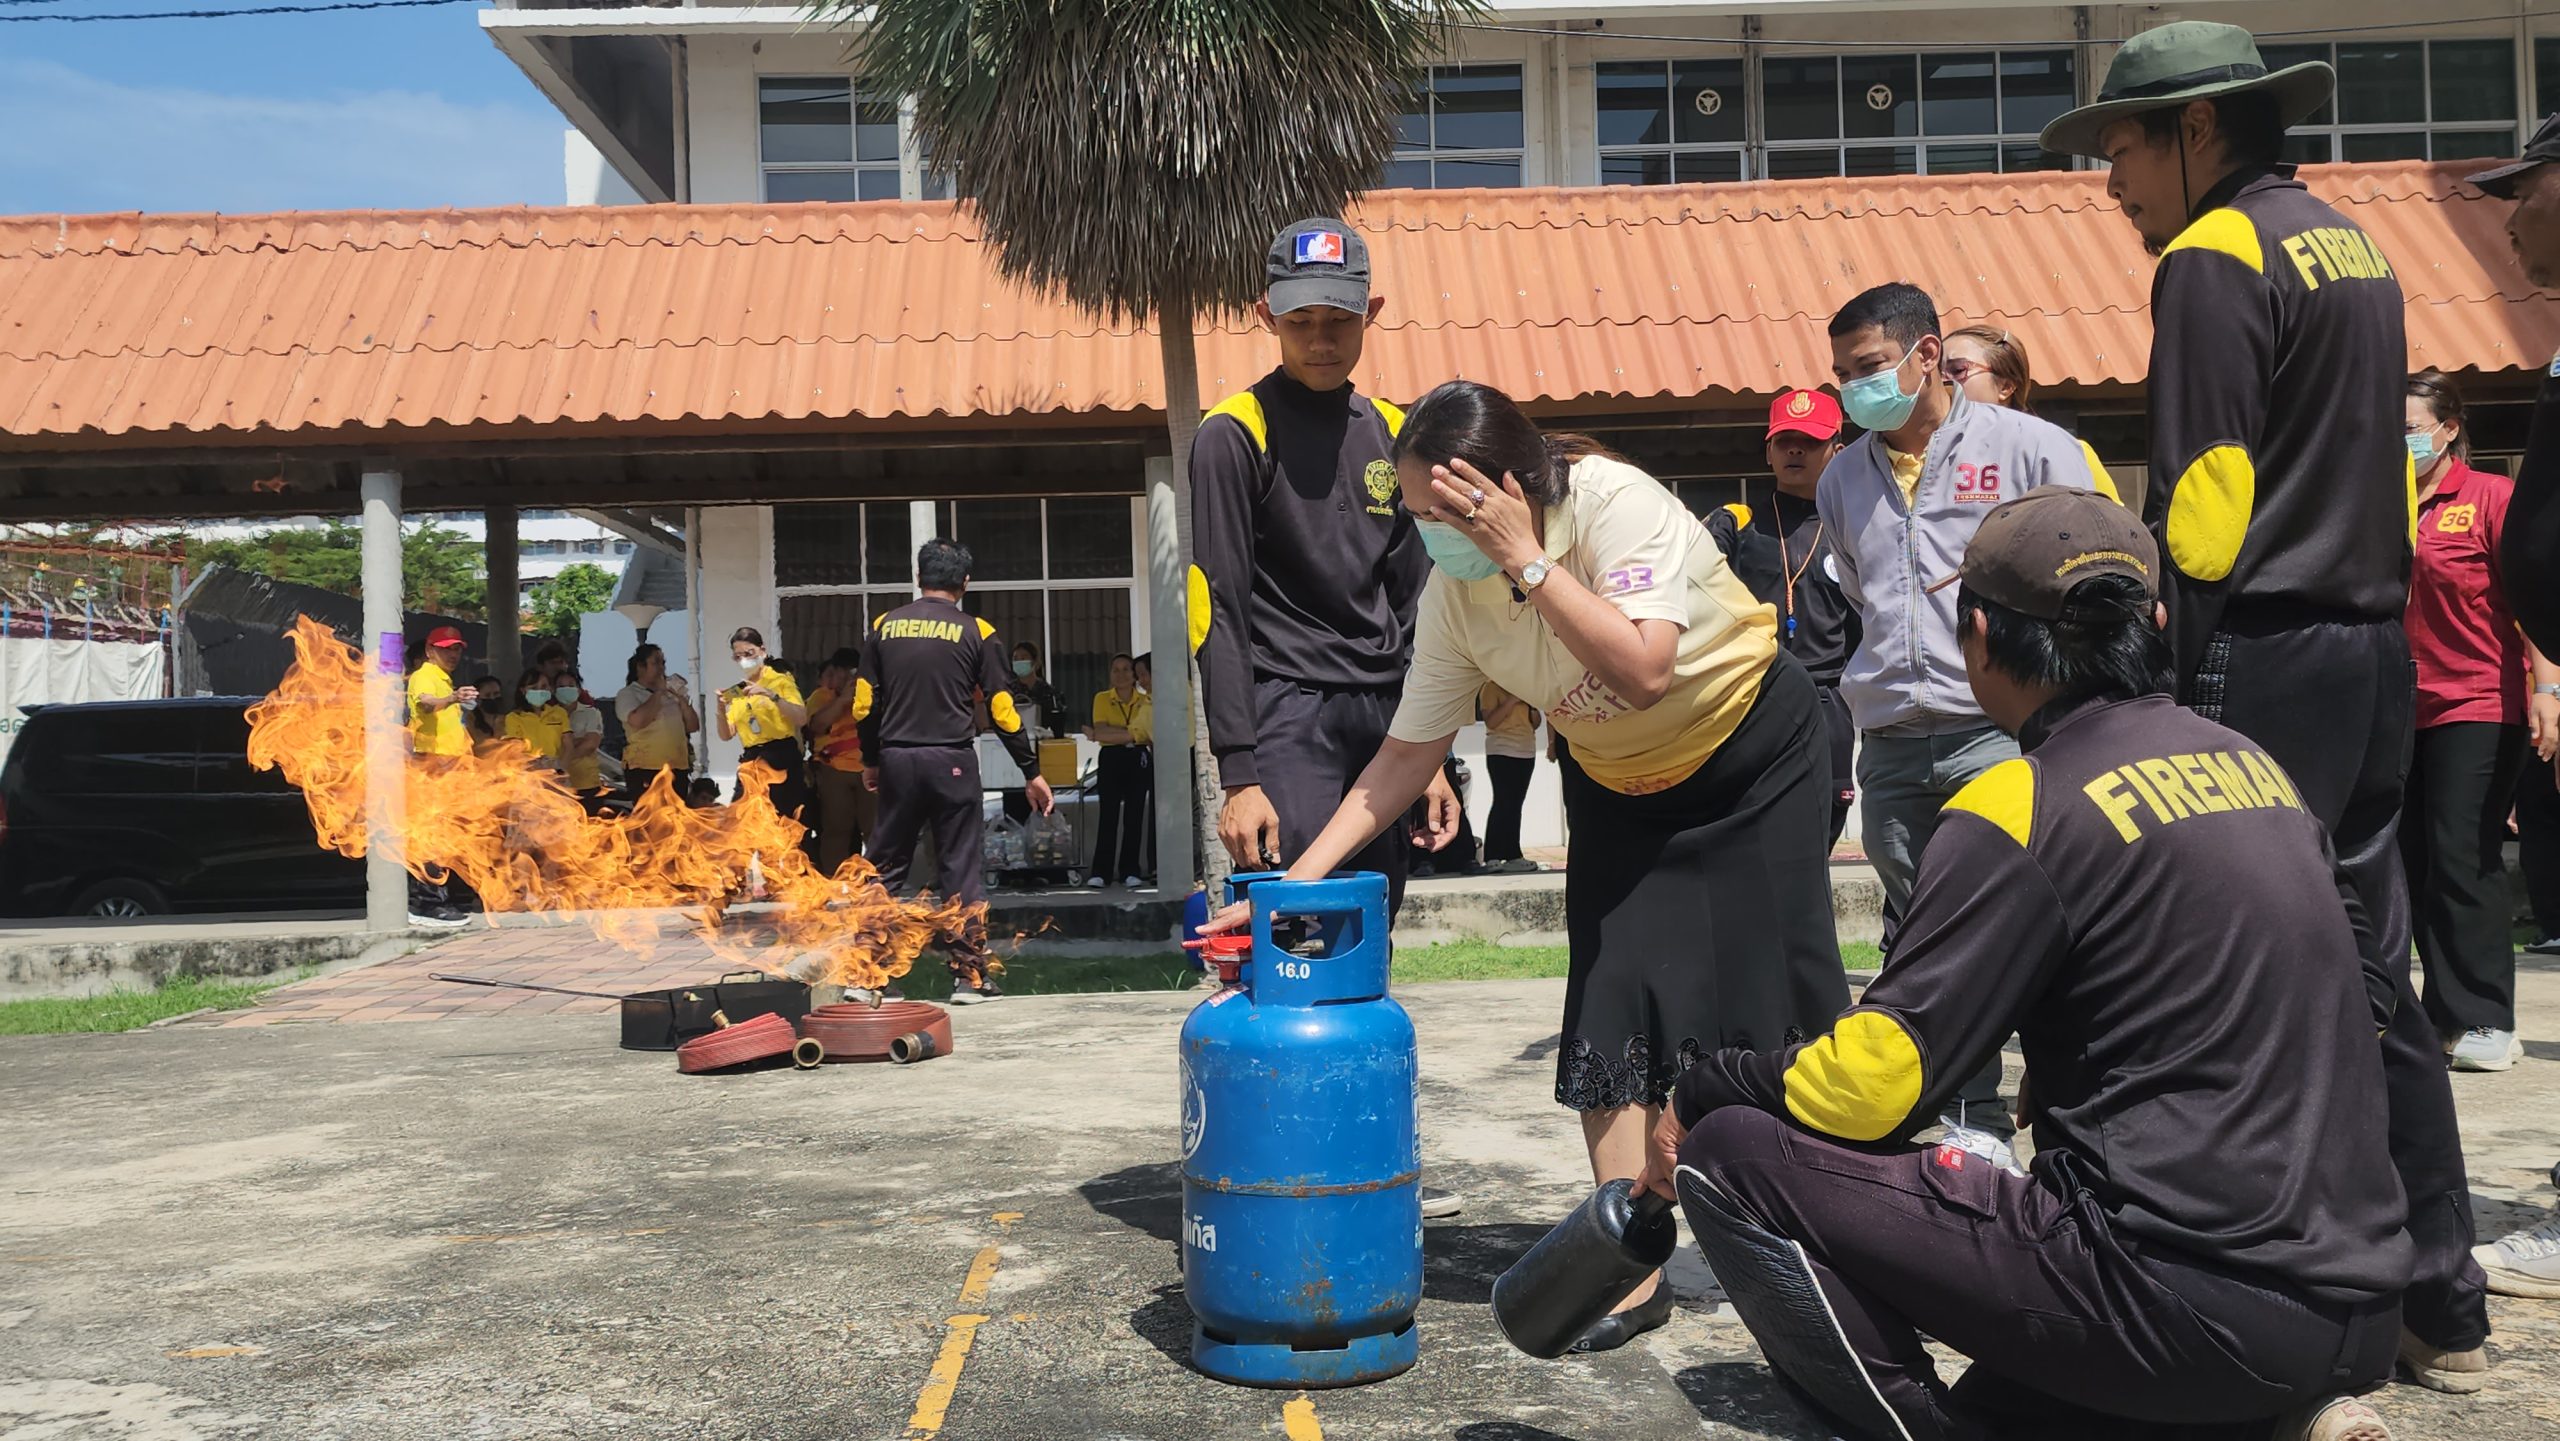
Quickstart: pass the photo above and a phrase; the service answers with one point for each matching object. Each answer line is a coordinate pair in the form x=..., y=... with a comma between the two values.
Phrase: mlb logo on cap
x=1319, y=247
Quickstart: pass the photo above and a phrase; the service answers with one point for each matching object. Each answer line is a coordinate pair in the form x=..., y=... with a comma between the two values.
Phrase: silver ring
x=1475, y=497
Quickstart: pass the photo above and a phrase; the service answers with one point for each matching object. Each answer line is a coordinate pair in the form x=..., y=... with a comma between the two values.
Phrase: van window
x=142, y=752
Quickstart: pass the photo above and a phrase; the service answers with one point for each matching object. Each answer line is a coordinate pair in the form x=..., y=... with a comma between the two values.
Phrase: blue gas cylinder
x=1301, y=1152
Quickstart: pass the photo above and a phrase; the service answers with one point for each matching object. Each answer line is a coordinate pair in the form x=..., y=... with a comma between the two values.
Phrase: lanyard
x=1797, y=573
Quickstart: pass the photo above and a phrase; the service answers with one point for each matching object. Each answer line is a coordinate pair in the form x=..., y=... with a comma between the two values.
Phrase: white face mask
x=751, y=663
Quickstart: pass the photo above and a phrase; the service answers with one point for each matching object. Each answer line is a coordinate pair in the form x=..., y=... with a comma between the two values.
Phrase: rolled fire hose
x=856, y=1032
x=760, y=1039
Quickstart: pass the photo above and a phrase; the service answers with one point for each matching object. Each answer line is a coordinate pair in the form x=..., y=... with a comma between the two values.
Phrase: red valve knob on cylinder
x=1227, y=954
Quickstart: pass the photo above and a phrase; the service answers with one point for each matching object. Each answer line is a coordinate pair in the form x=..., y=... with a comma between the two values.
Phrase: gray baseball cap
x=2542, y=149
x=1318, y=262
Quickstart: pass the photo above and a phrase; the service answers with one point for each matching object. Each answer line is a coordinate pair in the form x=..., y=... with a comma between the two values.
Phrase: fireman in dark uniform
x=2203, y=1243
x=1313, y=569
x=1775, y=543
x=2284, y=499
x=925, y=666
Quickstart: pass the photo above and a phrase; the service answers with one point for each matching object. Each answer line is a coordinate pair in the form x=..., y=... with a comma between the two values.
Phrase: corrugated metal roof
x=303, y=327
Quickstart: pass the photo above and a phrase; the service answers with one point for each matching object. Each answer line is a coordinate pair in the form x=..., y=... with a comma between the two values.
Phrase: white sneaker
x=438, y=920
x=1131, y=882
x=2482, y=1049
x=2524, y=1264
x=1095, y=883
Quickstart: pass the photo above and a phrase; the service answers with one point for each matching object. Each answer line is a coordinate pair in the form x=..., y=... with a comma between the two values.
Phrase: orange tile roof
x=329, y=327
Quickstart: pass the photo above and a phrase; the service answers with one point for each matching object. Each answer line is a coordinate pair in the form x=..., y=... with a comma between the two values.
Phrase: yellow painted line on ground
x=1298, y=1420
x=982, y=1270
x=1007, y=1218
x=933, y=1403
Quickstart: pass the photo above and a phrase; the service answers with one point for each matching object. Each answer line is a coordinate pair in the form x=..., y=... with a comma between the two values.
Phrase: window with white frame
x=1665, y=122
x=1464, y=127
x=1059, y=573
x=1935, y=113
x=2407, y=100
x=824, y=138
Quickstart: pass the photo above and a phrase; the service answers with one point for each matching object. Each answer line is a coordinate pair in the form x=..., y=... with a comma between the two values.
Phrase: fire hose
x=761, y=1038
x=901, y=1031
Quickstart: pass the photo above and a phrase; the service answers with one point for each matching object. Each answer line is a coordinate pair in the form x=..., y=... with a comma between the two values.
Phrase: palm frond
x=1132, y=154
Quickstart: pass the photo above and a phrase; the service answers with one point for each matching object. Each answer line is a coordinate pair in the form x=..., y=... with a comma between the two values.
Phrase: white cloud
x=81, y=143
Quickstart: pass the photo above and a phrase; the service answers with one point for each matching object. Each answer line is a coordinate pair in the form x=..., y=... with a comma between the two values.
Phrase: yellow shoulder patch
x=862, y=699
x=1858, y=1082
x=2413, y=504
x=1002, y=710
x=1393, y=415
x=1196, y=604
x=1245, y=408
x=1741, y=514
x=879, y=620
x=2099, y=481
x=2226, y=232
x=986, y=629
x=2209, y=512
x=2004, y=795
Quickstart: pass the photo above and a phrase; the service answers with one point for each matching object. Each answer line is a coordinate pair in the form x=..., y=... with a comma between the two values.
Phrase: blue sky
x=386, y=109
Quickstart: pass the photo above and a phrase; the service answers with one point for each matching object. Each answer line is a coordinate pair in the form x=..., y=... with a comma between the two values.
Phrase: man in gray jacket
x=1900, y=505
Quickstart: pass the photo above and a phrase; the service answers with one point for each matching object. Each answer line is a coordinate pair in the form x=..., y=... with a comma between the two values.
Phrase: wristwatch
x=1534, y=574
x=2547, y=690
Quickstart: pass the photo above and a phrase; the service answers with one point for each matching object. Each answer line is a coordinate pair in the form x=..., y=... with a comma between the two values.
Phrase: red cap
x=442, y=636
x=1804, y=412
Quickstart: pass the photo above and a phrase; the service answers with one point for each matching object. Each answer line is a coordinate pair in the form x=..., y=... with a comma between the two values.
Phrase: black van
x=139, y=808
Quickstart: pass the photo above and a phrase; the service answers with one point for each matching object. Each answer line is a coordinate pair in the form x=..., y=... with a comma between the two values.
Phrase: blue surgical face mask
x=537, y=697
x=2422, y=449
x=1022, y=668
x=1877, y=402
x=1453, y=552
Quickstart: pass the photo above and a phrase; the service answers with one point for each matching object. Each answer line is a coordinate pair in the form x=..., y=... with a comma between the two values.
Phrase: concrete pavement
x=510, y=1229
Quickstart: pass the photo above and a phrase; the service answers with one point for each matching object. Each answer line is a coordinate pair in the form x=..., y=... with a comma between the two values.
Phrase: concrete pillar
x=386, y=734
x=694, y=672
x=921, y=527
x=506, y=621
x=1169, y=639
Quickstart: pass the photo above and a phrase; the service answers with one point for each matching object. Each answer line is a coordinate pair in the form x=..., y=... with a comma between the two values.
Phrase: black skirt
x=1700, y=917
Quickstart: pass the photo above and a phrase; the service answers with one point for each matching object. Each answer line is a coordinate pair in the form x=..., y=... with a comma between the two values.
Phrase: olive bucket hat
x=2187, y=61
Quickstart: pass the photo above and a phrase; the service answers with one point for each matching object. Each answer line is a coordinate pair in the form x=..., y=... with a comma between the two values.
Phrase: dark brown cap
x=2542, y=149
x=2031, y=551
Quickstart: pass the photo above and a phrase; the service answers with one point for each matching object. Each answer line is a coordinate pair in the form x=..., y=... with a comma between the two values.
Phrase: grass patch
x=126, y=1010
x=1414, y=965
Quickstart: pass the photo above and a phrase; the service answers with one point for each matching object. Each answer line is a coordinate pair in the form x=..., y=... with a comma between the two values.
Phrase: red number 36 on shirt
x=1977, y=484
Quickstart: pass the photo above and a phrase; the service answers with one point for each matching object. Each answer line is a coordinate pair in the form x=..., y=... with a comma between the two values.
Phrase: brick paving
x=565, y=952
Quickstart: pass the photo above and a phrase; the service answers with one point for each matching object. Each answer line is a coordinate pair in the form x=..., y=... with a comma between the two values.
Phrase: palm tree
x=1137, y=156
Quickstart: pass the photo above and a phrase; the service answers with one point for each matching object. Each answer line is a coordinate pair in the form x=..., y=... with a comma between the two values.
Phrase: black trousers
x=1510, y=776
x=1122, y=797
x=2032, y=1279
x=1313, y=743
x=1842, y=733
x=2334, y=701
x=2453, y=839
x=2538, y=842
x=937, y=787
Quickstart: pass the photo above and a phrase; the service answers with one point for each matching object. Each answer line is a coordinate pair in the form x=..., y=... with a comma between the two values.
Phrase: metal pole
x=693, y=626
x=502, y=566
x=386, y=749
x=1169, y=641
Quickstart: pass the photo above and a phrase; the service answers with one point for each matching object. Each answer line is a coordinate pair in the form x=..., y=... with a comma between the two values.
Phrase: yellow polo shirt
x=1138, y=717
x=841, y=747
x=542, y=729
x=1630, y=541
x=435, y=732
x=757, y=719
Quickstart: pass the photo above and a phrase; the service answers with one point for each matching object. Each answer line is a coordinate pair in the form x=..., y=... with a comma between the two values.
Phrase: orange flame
x=522, y=842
